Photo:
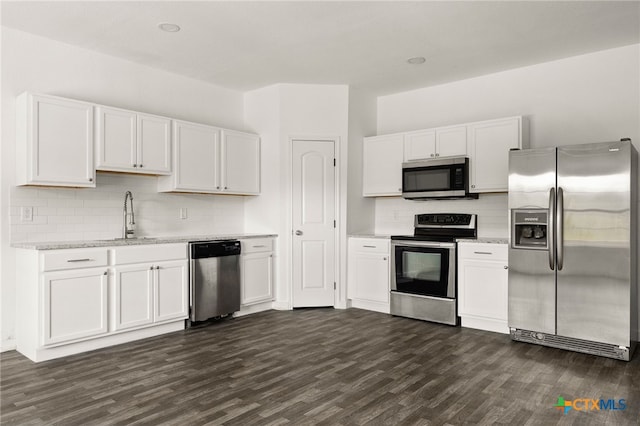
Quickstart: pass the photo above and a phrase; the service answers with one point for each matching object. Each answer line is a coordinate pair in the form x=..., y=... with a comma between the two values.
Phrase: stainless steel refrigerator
x=573, y=255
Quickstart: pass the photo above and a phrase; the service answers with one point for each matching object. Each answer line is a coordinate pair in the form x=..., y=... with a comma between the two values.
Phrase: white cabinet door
x=483, y=289
x=451, y=141
x=489, y=145
x=132, y=296
x=419, y=145
x=115, y=139
x=196, y=151
x=154, y=144
x=75, y=305
x=240, y=162
x=171, y=290
x=54, y=141
x=482, y=286
x=257, y=278
x=371, y=277
x=368, y=273
x=382, y=165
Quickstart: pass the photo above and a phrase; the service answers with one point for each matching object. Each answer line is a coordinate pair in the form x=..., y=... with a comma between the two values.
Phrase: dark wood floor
x=317, y=366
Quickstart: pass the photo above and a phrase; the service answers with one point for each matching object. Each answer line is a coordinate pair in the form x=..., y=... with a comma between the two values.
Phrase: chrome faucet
x=127, y=230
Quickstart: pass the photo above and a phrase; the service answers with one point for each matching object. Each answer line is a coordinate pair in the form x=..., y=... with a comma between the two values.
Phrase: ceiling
x=246, y=45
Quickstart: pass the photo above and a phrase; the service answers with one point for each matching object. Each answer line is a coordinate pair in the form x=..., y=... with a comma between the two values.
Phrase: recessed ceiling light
x=417, y=60
x=170, y=28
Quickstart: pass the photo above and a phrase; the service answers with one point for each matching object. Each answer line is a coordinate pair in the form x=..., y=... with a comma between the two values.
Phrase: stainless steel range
x=423, y=267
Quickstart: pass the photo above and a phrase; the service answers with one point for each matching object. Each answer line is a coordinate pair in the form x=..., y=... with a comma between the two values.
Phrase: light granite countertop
x=484, y=240
x=55, y=245
x=382, y=236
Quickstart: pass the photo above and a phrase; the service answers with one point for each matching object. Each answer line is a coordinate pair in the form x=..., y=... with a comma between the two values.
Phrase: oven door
x=423, y=268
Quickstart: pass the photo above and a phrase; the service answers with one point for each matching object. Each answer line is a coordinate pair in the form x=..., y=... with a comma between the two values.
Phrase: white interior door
x=313, y=223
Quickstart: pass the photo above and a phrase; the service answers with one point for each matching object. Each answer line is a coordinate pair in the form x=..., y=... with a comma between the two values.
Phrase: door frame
x=336, y=231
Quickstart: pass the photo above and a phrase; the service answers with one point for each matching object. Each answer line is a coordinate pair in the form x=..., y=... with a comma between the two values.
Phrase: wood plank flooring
x=317, y=367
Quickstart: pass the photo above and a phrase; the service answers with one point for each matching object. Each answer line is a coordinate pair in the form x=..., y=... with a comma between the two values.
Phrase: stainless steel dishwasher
x=214, y=279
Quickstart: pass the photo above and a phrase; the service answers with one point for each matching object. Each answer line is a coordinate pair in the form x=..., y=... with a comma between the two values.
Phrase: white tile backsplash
x=394, y=215
x=67, y=214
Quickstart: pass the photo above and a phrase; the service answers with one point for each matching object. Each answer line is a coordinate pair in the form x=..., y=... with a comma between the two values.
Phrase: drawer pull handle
x=260, y=246
x=370, y=246
x=482, y=252
x=79, y=260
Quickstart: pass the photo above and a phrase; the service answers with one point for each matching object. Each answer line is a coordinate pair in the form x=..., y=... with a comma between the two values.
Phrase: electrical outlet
x=183, y=213
x=26, y=214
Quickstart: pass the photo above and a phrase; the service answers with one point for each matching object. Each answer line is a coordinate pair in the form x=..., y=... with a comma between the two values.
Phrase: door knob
x=298, y=232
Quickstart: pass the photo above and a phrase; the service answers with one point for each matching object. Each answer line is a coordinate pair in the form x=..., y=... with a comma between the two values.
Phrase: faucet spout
x=127, y=228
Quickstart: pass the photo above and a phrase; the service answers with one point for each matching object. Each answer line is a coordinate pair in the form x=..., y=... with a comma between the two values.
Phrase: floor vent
x=569, y=343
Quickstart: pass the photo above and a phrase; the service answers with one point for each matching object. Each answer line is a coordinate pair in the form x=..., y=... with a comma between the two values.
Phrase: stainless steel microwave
x=441, y=178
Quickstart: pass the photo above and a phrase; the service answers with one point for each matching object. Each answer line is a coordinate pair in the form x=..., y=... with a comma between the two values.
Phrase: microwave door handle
x=550, y=234
x=559, y=229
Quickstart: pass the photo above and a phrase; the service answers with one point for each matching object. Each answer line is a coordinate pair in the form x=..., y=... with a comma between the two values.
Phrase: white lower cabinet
x=368, y=273
x=256, y=271
x=482, y=286
x=75, y=300
x=70, y=296
x=150, y=293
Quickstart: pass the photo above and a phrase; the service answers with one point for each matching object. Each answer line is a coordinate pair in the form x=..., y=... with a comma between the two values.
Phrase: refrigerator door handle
x=551, y=238
x=559, y=229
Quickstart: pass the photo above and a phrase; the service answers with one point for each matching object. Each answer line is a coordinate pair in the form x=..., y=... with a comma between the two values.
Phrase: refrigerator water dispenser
x=529, y=229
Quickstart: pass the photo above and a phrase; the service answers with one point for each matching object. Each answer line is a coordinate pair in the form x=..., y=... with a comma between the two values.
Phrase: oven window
x=424, y=271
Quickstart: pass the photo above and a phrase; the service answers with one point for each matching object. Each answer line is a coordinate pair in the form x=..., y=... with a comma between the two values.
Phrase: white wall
x=587, y=98
x=299, y=111
x=41, y=65
x=582, y=99
x=362, y=122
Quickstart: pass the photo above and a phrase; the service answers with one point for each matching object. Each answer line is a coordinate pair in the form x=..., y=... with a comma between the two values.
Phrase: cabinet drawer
x=255, y=245
x=483, y=251
x=149, y=253
x=368, y=245
x=72, y=259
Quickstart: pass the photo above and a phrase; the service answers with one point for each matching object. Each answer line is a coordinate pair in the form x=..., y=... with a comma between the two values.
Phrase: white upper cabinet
x=451, y=141
x=211, y=160
x=435, y=143
x=382, y=165
x=420, y=145
x=132, y=142
x=54, y=141
x=489, y=145
x=240, y=162
x=196, y=151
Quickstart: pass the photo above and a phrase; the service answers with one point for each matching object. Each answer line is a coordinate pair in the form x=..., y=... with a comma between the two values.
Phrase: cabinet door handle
x=506, y=267
x=483, y=252
x=151, y=268
x=80, y=260
x=106, y=273
x=90, y=179
x=473, y=186
x=140, y=165
x=157, y=267
x=384, y=258
x=135, y=165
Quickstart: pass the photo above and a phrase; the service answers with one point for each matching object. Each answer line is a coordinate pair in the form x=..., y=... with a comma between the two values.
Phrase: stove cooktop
x=442, y=227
